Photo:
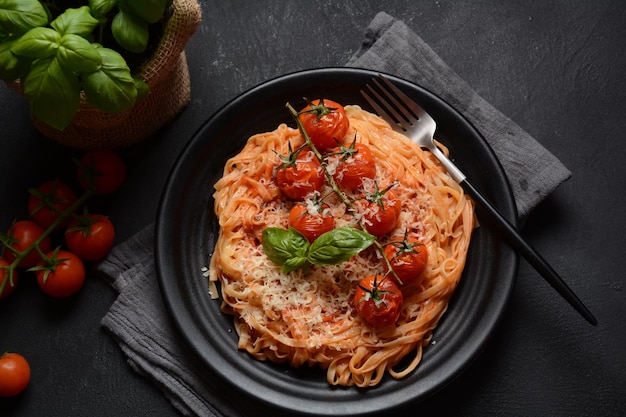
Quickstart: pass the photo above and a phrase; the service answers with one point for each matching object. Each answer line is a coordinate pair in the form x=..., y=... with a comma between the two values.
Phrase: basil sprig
x=291, y=250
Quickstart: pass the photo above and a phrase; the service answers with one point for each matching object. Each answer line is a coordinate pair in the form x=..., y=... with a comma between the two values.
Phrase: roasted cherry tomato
x=325, y=122
x=352, y=165
x=311, y=220
x=22, y=235
x=101, y=171
x=90, y=237
x=378, y=300
x=379, y=211
x=61, y=274
x=300, y=174
x=408, y=259
x=48, y=201
x=10, y=284
x=14, y=374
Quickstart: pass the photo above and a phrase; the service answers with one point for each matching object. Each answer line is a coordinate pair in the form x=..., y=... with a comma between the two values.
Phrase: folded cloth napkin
x=138, y=319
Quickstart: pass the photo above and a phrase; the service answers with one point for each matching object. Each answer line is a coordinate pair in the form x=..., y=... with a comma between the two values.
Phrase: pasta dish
x=305, y=311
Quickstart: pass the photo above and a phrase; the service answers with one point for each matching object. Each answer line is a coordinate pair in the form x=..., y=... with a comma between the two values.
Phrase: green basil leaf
x=77, y=54
x=294, y=263
x=149, y=10
x=100, y=8
x=18, y=16
x=130, y=31
x=53, y=92
x=111, y=88
x=284, y=246
x=339, y=245
x=75, y=21
x=37, y=43
x=12, y=66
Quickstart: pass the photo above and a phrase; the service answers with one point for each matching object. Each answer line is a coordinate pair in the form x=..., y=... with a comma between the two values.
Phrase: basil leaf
x=18, y=16
x=130, y=31
x=100, y=8
x=294, y=263
x=37, y=43
x=77, y=54
x=285, y=247
x=111, y=88
x=75, y=21
x=149, y=10
x=48, y=82
x=11, y=65
x=338, y=245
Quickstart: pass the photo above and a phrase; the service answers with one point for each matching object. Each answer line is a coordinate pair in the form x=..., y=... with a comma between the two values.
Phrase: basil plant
x=57, y=51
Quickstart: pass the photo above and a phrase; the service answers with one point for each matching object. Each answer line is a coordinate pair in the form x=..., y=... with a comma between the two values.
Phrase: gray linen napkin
x=138, y=319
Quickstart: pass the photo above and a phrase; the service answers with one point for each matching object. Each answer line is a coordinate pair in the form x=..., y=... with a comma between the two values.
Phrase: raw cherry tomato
x=378, y=300
x=356, y=163
x=300, y=174
x=56, y=193
x=313, y=221
x=102, y=171
x=22, y=235
x=4, y=276
x=14, y=374
x=325, y=122
x=379, y=211
x=60, y=275
x=408, y=259
x=91, y=237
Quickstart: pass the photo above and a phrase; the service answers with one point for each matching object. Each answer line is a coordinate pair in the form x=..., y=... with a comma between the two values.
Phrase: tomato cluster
x=350, y=168
x=54, y=213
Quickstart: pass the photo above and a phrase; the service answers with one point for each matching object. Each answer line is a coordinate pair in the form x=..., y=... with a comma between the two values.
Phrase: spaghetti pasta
x=308, y=317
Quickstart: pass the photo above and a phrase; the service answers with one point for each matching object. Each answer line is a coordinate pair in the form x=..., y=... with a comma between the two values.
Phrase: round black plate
x=186, y=230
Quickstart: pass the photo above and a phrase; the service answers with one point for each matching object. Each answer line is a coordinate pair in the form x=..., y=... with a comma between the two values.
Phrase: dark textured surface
x=554, y=67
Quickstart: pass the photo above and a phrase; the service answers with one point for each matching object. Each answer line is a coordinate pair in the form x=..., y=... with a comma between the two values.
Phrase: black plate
x=186, y=230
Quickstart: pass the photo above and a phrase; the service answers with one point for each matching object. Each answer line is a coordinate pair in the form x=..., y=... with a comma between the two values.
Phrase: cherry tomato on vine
x=379, y=211
x=9, y=286
x=102, y=171
x=378, y=300
x=408, y=259
x=355, y=163
x=14, y=374
x=326, y=123
x=22, y=235
x=311, y=221
x=300, y=174
x=48, y=201
x=90, y=237
x=61, y=274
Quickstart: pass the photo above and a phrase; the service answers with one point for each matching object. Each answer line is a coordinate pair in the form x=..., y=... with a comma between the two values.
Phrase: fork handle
x=527, y=251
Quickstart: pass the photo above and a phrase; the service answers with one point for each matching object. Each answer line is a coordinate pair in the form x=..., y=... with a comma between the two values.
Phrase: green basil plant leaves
x=57, y=54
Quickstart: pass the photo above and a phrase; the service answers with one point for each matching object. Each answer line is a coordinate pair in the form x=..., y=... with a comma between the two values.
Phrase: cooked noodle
x=310, y=318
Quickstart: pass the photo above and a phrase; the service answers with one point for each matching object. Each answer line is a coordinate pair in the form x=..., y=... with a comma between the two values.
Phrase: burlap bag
x=167, y=75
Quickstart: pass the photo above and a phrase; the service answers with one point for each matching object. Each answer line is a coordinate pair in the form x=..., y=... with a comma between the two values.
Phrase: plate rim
x=171, y=300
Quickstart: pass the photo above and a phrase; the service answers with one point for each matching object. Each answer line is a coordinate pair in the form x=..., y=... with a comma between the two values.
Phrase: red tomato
x=4, y=276
x=48, y=201
x=14, y=374
x=379, y=211
x=408, y=259
x=355, y=163
x=22, y=235
x=91, y=237
x=102, y=171
x=325, y=122
x=378, y=300
x=300, y=174
x=311, y=224
x=61, y=275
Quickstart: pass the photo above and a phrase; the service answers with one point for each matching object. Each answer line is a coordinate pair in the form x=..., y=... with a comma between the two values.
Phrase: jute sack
x=166, y=74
